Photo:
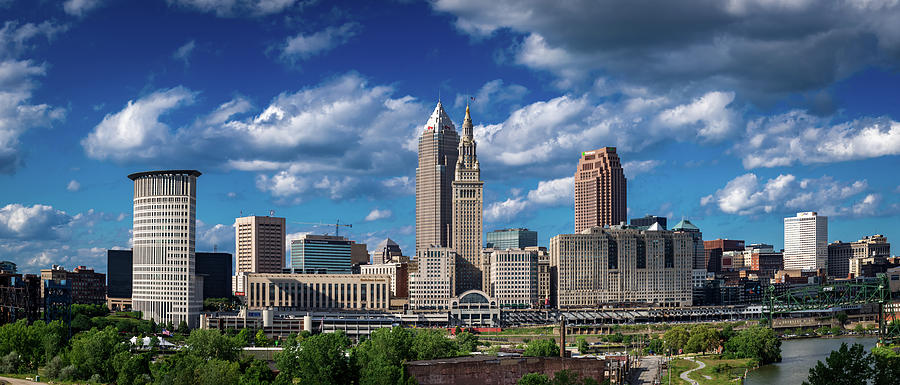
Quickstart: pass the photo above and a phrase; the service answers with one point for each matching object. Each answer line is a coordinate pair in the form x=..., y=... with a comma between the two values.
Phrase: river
x=798, y=356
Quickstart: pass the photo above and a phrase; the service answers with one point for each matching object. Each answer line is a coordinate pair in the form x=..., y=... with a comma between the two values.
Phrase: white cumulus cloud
x=553, y=192
x=136, y=130
x=35, y=222
x=377, y=214
x=748, y=195
x=301, y=47
x=73, y=185
x=798, y=137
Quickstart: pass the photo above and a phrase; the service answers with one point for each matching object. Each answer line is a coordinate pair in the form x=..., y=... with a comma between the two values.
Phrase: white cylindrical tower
x=164, y=285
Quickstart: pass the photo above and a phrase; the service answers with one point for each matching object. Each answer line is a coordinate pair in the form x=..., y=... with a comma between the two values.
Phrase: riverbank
x=798, y=356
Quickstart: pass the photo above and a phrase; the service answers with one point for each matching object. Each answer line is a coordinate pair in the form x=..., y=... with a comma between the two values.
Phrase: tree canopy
x=542, y=348
x=755, y=342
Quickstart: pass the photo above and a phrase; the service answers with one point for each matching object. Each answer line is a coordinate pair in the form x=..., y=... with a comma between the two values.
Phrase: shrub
x=11, y=363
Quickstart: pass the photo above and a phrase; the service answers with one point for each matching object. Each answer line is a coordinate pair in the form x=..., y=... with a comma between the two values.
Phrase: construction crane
x=337, y=225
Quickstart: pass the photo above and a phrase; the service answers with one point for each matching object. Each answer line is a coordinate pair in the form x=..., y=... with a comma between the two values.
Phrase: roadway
x=647, y=373
x=16, y=381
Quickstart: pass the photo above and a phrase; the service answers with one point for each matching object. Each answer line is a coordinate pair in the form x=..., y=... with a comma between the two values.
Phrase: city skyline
x=97, y=94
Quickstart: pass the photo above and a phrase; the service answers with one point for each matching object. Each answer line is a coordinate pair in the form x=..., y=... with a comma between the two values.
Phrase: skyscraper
x=325, y=254
x=164, y=276
x=806, y=241
x=466, y=228
x=259, y=244
x=685, y=226
x=510, y=239
x=434, y=178
x=600, y=195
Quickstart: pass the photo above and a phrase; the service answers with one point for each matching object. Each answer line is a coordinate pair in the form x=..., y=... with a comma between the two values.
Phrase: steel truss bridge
x=840, y=294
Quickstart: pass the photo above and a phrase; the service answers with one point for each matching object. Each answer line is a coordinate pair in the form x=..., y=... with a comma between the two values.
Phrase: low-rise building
x=85, y=285
x=321, y=254
x=513, y=277
x=432, y=284
x=399, y=273
x=620, y=266
x=510, y=239
x=317, y=291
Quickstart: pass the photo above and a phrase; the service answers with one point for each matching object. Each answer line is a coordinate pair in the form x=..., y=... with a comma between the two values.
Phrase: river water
x=798, y=356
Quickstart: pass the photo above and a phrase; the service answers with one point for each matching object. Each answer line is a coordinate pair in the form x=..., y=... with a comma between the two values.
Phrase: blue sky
x=732, y=114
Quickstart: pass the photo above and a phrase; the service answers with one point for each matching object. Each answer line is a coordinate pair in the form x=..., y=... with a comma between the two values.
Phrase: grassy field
x=677, y=366
x=728, y=370
x=717, y=371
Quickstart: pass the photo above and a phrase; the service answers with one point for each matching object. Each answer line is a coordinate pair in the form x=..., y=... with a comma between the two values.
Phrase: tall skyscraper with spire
x=600, y=195
x=468, y=203
x=434, y=178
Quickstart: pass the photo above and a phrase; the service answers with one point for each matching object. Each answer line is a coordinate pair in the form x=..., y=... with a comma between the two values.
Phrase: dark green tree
x=92, y=353
x=703, y=339
x=726, y=333
x=429, y=344
x=757, y=342
x=886, y=365
x=257, y=373
x=676, y=338
x=466, y=342
x=542, y=348
x=845, y=366
x=175, y=369
x=217, y=372
x=381, y=357
x=319, y=360
x=533, y=379
x=211, y=344
x=131, y=368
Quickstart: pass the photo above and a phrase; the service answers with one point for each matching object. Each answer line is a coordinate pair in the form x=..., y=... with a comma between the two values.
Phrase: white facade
x=432, y=285
x=165, y=287
x=239, y=282
x=388, y=269
x=514, y=277
x=806, y=242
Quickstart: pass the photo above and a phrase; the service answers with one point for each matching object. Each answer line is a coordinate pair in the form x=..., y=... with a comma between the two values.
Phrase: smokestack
x=562, y=336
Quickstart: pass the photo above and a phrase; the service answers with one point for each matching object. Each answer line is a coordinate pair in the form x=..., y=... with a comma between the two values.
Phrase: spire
x=467, y=124
x=439, y=120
